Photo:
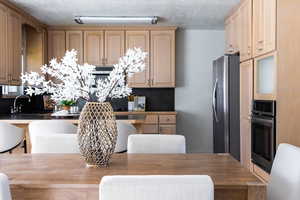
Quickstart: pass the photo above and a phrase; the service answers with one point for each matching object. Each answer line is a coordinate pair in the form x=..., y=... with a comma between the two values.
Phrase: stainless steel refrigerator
x=226, y=106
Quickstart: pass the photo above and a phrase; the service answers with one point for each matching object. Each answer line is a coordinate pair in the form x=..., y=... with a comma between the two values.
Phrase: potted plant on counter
x=66, y=104
x=97, y=132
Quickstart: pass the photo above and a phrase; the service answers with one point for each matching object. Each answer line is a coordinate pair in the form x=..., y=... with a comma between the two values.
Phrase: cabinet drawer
x=167, y=119
x=151, y=119
x=167, y=129
x=150, y=129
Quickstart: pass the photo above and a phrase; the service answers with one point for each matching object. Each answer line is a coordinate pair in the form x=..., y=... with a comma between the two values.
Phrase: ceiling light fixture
x=115, y=20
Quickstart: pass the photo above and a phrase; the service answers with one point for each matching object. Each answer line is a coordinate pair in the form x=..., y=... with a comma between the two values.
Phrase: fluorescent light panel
x=115, y=20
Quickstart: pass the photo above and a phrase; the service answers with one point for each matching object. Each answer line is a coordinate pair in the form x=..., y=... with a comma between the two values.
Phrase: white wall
x=195, y=51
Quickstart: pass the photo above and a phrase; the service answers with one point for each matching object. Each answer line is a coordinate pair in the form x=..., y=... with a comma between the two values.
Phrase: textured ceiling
x=198, y=14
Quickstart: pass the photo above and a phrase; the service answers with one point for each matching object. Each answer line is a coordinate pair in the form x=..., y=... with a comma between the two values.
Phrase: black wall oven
x=263, y=133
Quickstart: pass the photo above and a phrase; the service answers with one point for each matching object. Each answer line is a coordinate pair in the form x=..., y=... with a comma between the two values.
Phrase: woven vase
x=97, y=133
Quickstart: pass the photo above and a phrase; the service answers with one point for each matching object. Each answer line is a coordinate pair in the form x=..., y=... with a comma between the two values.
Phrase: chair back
x=53, y=136
x=193, y=187
x=285, y=174
x=124, y=130
x=156, y=144
x=4, y=188
x=10, y=136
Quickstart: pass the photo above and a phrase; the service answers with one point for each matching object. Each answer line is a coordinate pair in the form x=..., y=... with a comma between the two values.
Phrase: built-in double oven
x=263, y=133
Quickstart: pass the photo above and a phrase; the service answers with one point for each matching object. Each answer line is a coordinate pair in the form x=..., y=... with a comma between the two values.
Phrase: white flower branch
x=71, y=81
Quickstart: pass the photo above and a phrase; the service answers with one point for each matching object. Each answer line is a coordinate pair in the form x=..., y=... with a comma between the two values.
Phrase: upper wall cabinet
x=139, y=39
x=114, y=46
x=3, y=46
x=246, y=30
x=232, y=31
x=14, y=48
x=264, y=26
x=56, y=44
x=94, y=47
x=74, y=40
x=163, y=58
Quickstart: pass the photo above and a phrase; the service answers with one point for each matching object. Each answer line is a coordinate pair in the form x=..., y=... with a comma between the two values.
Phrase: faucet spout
x=15, y=109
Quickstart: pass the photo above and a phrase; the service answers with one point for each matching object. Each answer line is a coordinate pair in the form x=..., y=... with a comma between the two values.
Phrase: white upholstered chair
x=10, y=137
x=156, y=144
x=124, y=130
x=53, y=136
x=285, y=174
x=4, y=188
x=194, y=187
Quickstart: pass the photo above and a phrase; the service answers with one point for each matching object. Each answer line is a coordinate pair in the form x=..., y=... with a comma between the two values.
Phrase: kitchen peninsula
x=144, y=122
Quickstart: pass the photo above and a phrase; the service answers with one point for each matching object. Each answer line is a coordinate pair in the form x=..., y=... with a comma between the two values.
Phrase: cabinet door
x=245, y=135
x=74, y=40
x=246, y=30
x=264, y=26
x=114, y=46
x=14, y=48
x=228, y=36
x=265, y=77
x=3, y=45
x=236, y=31
x=162, y=58
x=139, y=39
x=56, y=44
x=269, y=25
x=246, y=97
x=94, y=47
x=167, y=129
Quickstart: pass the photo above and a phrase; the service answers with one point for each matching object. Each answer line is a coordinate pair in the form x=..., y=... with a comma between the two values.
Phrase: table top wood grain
x=70, y=171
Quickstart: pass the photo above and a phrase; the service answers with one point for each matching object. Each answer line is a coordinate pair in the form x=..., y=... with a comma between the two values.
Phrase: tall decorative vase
x=97, y=133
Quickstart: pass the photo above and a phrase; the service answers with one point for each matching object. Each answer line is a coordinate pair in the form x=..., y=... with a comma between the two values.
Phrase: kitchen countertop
x=131, y=117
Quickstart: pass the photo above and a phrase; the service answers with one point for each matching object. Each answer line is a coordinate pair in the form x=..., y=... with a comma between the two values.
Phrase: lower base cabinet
x=158, y=124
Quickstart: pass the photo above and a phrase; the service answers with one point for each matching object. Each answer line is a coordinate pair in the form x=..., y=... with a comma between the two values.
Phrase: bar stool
x=10, y=137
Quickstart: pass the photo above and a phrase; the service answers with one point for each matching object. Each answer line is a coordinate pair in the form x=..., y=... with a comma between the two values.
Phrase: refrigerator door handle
x=214, y=101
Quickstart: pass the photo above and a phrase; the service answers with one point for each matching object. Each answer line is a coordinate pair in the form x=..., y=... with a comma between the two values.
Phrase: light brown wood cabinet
x=158, y=124
x=74, y=40
x=232, y=31
x=56, y=44
x=246, y=97
x=162, y=59
x=94, y=47
x=114, y=46
x=14, y=48
x=3, y=45
x=245, y=11
x=139, y=39
x=264, y=26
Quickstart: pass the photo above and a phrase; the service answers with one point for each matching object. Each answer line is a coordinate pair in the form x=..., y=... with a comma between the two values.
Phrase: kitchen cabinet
x=245, y=11
x=232, y=32
x=265, y=77
x=139, y=39
x=114, y=47
x=167, y=124
x=3, y=46
x=74, y=40
x=94, y=47
x=162, y=58
x=56, y=44
x=246, y=97
x=14, y=39
x=264, y=26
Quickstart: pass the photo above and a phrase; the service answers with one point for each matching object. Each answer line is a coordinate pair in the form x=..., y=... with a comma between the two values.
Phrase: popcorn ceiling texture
x=199, y=14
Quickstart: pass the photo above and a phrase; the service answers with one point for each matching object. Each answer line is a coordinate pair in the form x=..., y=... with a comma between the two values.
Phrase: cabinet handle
x=152, y=82
x=149, y=82
x=260, y=48
x=260, y=42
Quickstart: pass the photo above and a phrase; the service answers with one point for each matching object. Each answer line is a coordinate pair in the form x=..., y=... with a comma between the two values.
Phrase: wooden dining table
x=66, y=176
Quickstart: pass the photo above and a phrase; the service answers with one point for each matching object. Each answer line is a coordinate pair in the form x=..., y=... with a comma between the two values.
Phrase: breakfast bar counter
x=23, y=120
x=65, y=176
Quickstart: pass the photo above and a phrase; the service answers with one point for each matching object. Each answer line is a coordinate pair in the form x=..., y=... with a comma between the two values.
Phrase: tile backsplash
x=157, y=99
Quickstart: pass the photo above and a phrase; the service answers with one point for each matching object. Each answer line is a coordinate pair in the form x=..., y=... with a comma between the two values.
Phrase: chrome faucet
x=15, y=109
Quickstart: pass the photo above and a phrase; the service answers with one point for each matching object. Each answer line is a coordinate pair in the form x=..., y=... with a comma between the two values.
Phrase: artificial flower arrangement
x=74, y=81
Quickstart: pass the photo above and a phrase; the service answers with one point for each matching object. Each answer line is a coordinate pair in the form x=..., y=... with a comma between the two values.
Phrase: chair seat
x=4, y=188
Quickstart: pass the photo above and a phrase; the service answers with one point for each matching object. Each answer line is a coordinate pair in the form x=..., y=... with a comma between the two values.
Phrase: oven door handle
x=260, y=120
